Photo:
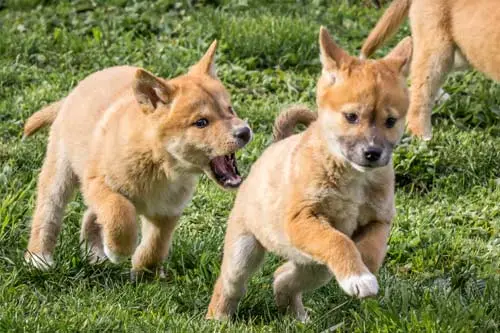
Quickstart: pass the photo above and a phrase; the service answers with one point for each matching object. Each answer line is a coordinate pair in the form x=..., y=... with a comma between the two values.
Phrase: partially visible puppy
x=136, y=144
x=322, y=199
x=448, y=35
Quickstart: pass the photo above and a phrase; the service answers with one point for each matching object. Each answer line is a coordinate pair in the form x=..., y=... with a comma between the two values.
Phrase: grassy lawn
x=443, y=266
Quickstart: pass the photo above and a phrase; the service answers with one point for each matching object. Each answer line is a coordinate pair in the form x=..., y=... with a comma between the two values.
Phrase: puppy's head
x=193, y=120
x=362, y=103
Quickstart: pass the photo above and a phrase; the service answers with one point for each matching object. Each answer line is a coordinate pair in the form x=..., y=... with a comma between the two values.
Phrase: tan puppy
x=322, y=199
x=137, y=144
x=448, y=34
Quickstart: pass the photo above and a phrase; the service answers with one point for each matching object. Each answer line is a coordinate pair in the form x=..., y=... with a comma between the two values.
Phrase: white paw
x=302, y=316
x=94, y=254
x=115, y=258
x=442, y=96
x=40, y=261
x=427, y=136
x=361, y=286
x=96, y=260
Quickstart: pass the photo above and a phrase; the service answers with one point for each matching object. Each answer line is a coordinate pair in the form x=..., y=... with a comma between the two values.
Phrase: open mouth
x=225, y=170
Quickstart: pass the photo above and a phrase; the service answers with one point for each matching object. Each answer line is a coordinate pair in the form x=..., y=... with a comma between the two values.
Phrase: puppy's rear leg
x=55, y=186
x=116, y=216
x=91, y=238
x=243, y=254
x=432, y=60
x=154, y=246
x=291, y=280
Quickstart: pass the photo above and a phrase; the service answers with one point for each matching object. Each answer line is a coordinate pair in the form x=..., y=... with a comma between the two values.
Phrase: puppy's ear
x=400, y=56
x=150, y=90
x=332, y=56
x=206, y=65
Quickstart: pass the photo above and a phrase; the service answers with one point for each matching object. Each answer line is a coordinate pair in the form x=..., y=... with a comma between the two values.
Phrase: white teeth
x=225, y=170
x=232, y=180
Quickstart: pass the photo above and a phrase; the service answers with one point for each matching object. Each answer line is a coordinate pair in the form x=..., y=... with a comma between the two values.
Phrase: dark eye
x=351, y=118
x=201, y=123
x=390, y=122
x=231, y=110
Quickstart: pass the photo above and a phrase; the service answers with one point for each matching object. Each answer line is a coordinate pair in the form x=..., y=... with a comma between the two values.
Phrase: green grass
x=442, y=270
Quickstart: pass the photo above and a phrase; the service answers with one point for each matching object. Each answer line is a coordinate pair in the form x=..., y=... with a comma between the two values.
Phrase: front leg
x=312, y=234
x=371, y=241
x=153, y=249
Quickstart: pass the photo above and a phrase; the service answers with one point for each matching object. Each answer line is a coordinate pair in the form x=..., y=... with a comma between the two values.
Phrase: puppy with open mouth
x=136, y=144
x=323, y=199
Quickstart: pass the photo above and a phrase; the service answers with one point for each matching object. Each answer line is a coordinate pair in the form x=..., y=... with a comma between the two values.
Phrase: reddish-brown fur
x=306, y=201
x=447, y=34
x=128, y=138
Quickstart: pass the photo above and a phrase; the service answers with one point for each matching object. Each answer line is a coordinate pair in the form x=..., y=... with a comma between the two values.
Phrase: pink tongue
x=226, y=174
x=223, y=167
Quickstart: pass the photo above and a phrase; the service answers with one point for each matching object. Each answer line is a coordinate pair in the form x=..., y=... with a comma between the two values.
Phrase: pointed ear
x=206, y=65
x=332, y=56
x=400, y=56
x=150, y=90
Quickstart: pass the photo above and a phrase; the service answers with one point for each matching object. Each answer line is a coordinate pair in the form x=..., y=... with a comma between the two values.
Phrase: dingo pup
x=136, y=144
x=322, y=199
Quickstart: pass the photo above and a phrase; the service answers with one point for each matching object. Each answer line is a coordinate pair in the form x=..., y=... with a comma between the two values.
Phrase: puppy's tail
x=386, y=26
x=289, y=118
x=42, y=118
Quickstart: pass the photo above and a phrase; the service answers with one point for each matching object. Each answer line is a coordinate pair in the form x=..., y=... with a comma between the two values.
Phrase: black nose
x=373, y=154
x=243, y=133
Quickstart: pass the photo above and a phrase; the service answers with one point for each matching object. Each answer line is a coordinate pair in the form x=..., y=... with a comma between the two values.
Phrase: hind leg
x=116, y=216
x=291, y=280
x=91, y=238
x=154, y=246
x=459, y=64
x=433, y=59
x=55, y=186
x=243, y=254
